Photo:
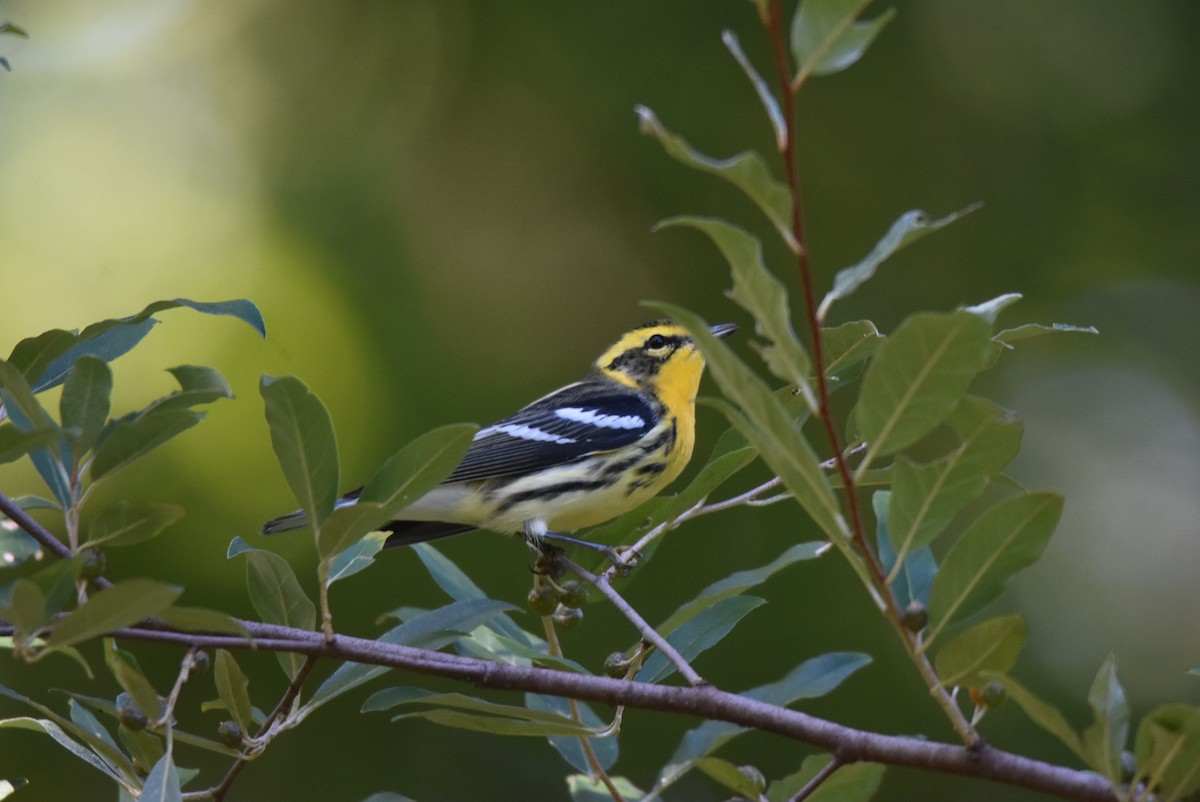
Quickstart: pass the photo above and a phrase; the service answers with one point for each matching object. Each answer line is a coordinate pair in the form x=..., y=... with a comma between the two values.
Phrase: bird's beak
x=723, y=329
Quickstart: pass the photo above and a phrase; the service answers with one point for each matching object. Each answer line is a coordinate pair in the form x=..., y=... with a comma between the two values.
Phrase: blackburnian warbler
x=579, y=456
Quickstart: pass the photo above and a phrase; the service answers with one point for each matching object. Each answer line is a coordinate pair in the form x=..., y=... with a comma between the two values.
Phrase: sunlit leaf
x=16, y=442
x=124, y=523
x=908, y=228
x=917, y=378
x=925, y=498
x=991, y=309
x=233, y=687
x=826, y=38
x=347, y=525
x=757, y=290
x=133, y=438
x=811, y=679
x=1044, y=715
x=10, y=786
x=19, y=398
x=1167, y=748
x=357, y=557
x=992, y=645
x=121, y=605
x=1027, y=330
x=699, y=634
x=1006, y=538
x=747, y=171
x=85, y=402
x=303, y=439
x=856, y=782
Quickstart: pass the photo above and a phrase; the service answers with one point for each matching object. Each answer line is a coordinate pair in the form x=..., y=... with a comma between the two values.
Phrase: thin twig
x=821, y=776
x=648, y=633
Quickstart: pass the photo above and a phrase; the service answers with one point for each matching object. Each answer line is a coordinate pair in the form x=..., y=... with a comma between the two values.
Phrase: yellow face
x=659, y=357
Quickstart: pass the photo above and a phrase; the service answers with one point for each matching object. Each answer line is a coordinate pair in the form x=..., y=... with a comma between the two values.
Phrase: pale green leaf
x=765, y=96
x=729, y=777
x=913, y=579
x=747, y=171
x=162, y=785
x=199, y=619
x=16, y=442
x=917, y=378
x=856, y=782
x=846, y=348
x=1005, y=539
x=584, y=788
x=1027, y=330
x=1167, y=749
x=233, y=687
x=347, y=525
x=278, y=598
x=121, y=605
x=357, y=557
x=124, y=667
x=304, y=443
x=124, y=523
x=604, y=748
x=1105, y=739
x=495, y=718
x=10, y=786
x=991, y=645
x=826, y=37
x=65, y=741
x=458, y=586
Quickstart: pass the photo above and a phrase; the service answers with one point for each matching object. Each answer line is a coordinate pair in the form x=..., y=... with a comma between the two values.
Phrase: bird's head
x=658, y=358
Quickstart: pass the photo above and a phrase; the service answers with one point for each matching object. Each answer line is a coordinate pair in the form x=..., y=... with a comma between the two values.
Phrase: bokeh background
x=444, y=210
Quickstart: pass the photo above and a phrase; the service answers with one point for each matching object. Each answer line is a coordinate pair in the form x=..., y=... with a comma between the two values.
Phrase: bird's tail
x=285, y=523
x=406, y=533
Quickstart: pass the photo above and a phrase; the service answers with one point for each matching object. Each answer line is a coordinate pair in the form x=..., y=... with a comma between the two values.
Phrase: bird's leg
x=536, y=534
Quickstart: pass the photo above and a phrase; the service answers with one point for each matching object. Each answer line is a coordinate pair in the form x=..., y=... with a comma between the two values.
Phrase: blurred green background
x=444, y=210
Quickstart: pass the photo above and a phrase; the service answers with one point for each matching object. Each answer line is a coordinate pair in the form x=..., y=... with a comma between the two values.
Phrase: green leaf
x=124, y=667
x=13, y=30
x=738, y=582
x=856, y=782
x=729, y=777
x=914, y=578
x=759, y=292
x=121, y=605
x=747, y=171
x=407, y=476
x=699, y=634
x=811, y=679
x=47, y=358
x=1105, y=739
x=431, y=630
x=761, y=418
x=144, y=746
x=124, y=523
x=991, y=645
x=11, y=786
x=925, y=498
x=24, y=608
x=358, y=557
x=458, y=586
x=1044, y=715
x=1006, y=538
x=86, y=402
x=908, y=228
x=825, y=38
x=498, y=719
x=19, y=397
x=1023, y=332
x=302, y=435
x=197, y=385
x=846, y=348
x=484, y=643
x=387, y=796
x=16, y=546
x=917, y=378
x=162, y=785
x=16, y=443
x=133, y=438
x=277, y=598
x=199, y=619
x=583, y=788
x=604, y=748
x=101, y=741
x=65, y=741
x=234, y=689
x=1167, y=748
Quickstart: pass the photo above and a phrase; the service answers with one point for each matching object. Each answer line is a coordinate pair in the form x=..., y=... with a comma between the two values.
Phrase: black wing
x=580, y=419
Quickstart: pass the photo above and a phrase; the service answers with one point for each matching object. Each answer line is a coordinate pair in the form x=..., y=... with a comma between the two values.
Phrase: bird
x=579, y=456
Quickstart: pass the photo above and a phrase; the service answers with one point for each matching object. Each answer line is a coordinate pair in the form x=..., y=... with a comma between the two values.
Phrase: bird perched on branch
x=582, y=455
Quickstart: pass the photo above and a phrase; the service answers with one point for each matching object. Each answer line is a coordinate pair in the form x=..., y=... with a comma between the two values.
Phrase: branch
x=705, y=702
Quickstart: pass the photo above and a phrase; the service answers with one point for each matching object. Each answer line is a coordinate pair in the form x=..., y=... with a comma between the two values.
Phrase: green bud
x=230, y=734
x=543, y=599
x=915, y=617
x=568, y=617
x=129, y=714
x=572, y=594
x=93, y=565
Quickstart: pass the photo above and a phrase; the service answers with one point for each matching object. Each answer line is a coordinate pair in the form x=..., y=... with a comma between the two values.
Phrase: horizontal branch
x=849, y=745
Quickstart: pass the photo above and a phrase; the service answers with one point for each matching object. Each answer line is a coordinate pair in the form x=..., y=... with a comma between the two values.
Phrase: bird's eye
x=656, y=342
